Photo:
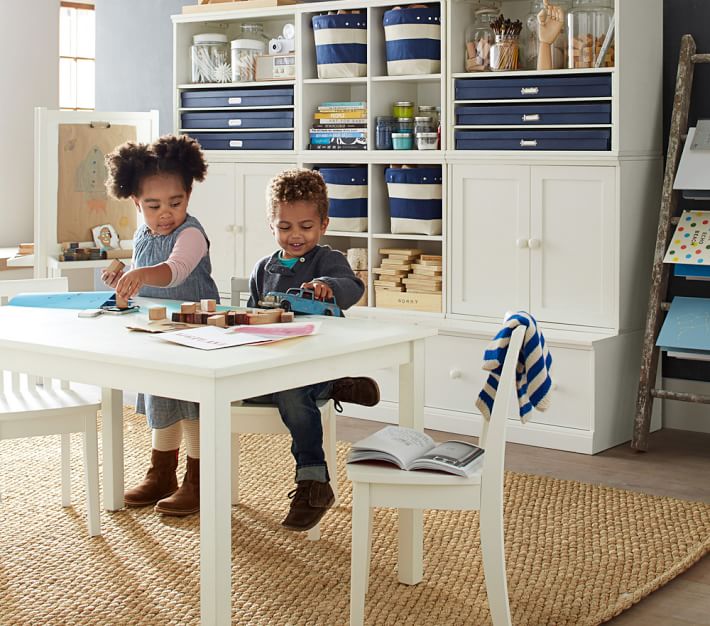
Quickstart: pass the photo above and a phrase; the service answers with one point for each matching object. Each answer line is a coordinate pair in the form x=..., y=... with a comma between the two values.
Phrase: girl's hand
x=321, y=290
x=110, y=278
x=130, y=282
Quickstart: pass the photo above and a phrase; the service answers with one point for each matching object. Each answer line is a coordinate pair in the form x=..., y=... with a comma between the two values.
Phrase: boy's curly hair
x=131, y=162
x=297, y=185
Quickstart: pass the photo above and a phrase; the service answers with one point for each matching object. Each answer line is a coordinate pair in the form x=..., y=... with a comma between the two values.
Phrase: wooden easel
x=660, y=273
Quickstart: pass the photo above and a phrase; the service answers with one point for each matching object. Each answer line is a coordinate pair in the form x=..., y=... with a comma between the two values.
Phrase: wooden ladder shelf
x=660, y=273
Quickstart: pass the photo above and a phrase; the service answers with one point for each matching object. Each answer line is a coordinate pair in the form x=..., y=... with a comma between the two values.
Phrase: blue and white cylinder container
x=413, y=40
x=415, y=200
x=341, y=45
x=347, y=194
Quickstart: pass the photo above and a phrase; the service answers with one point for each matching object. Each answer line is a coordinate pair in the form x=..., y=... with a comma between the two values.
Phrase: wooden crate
x=430, y=302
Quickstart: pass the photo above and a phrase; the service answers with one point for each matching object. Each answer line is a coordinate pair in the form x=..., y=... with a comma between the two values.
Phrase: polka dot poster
x=690, y=244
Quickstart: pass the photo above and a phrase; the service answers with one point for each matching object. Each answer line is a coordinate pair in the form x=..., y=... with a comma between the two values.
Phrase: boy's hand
x=321, y=290
x=130, y=283
x=110, y=278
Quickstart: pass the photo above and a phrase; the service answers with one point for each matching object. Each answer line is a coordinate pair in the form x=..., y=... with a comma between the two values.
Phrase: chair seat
x=389, y=474
x=19, y=403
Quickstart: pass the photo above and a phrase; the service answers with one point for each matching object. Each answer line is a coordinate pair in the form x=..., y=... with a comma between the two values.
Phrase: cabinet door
x=254, y=238
x=213, y=202
x=572, y=249
x=490, y=229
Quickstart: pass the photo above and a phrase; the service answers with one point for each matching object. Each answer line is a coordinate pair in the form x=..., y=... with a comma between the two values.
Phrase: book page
x=404, y=444
x=449, y=456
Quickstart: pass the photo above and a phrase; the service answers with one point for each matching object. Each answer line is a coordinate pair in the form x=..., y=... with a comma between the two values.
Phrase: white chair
x=32, y=407
x=266, y=419
x=377, y=486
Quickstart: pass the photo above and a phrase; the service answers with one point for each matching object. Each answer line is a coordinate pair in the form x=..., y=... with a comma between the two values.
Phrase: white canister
x=244, y=53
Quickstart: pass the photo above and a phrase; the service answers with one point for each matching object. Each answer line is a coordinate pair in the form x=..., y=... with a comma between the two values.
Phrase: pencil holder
x=415, y=200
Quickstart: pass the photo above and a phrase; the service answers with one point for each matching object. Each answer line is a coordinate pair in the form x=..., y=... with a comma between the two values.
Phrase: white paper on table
x=213, y=337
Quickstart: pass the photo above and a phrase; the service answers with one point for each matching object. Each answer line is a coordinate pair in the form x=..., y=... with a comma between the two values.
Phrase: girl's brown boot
x=159, y=482
x=186, y=500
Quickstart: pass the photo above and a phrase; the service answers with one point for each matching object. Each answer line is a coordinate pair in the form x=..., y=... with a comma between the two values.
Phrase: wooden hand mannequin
x=549, y=21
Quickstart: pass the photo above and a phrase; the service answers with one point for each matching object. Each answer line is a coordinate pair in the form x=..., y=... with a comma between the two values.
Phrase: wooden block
x=272, y=316
x=188, y=307
x=157, y=313
x=405, y=300
x=119, y=253
x=217, y=320
x=287, y=316
x=390, y=271
x=406, y=251
x=208, y=305
x=423, y=270
x=436, y=264
x=115, y=266
x=431, y=257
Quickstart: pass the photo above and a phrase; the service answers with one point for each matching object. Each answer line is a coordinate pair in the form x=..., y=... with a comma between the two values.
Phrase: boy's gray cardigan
x=322, y=263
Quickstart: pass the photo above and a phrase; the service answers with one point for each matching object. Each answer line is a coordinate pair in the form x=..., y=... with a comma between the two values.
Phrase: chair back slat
x=494, y=430
x=240, y=288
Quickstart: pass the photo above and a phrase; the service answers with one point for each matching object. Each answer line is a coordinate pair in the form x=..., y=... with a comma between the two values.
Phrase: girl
x=170, y=260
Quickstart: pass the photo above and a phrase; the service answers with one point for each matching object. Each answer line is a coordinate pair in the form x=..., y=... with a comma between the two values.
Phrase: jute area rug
x=576, y=553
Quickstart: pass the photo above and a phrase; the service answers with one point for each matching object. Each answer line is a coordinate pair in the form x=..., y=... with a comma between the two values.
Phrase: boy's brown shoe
x=309, y=502
x=159, y=482
x=358, y=390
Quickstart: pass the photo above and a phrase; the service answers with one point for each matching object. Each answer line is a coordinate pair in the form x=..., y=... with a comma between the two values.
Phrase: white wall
x=29, y=66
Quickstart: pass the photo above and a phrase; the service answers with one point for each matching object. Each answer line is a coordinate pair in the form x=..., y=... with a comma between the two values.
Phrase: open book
x=410, y=449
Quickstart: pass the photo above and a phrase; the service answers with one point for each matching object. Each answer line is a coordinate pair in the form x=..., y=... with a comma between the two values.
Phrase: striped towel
x=532, y=373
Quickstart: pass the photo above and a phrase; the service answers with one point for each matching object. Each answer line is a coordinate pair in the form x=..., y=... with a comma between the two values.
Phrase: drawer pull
x=235, y=122
x=234, y=101
x=534, y=244
x=529, y=91
x=531, y=117
x=528, y=143
x=454, y=374
x=235, y=143
x=521, y=243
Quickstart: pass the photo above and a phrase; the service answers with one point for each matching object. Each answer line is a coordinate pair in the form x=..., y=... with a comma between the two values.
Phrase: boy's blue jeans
x=301, y=415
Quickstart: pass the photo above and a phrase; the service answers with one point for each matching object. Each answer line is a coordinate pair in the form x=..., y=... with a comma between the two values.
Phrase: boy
x=297, y=208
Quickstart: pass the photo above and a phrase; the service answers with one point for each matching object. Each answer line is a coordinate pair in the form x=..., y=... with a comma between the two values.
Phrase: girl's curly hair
x=131, y=162
x=297, y=185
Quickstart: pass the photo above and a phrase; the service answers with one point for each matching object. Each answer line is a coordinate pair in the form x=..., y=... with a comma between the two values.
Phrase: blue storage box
x=238, y=119
x=252, y=96
x=522, y=87
x=341, y=45
x=347, y=194
x=529, y=139
x=415, y=200
x=413, y=40
x=534, y=113
x=277, y=140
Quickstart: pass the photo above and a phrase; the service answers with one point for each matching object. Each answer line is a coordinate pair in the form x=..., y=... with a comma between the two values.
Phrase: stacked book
x=339, y=126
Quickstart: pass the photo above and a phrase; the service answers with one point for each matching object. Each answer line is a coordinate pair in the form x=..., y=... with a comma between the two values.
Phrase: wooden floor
x=677, y=465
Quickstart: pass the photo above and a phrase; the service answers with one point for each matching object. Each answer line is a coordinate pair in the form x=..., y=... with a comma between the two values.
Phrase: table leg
x=411, y=414
x=112, y=442
x=215, y=511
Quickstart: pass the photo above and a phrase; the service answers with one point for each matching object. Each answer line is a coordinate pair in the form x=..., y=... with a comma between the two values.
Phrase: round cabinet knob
x=521, y=243
x=533, y=244
x=239, y=229
x=230, y=228
x=454, y=373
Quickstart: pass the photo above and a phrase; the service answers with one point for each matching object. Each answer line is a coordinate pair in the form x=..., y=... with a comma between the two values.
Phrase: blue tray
x=525, y=87
x=238, y=119
x=277, y=140
x=529, y=139
x=253, y=96
x=533, y=113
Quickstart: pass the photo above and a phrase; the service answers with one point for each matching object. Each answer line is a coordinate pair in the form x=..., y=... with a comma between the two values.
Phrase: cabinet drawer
x=278, y=140
x=238, y=119
x=453, y=372
x=531, y=114
x=526, y=139
x=522, y=87
x=237, y=97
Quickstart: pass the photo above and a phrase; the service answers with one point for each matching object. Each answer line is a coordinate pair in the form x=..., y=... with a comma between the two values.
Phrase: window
x=77, y=57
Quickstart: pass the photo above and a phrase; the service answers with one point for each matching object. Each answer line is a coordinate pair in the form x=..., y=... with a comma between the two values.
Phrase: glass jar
x=405, y=125
x=244, y=53
x=423, y=124
x=210, y=58
x=404, y=108
x=504, y=53
x=588, y=23
x=479, y=37
x=430, y=111
x=253, y=31
x=384, y=127
x=530, y=43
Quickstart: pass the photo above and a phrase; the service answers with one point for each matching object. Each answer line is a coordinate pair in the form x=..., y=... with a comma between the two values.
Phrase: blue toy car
x=301, y=301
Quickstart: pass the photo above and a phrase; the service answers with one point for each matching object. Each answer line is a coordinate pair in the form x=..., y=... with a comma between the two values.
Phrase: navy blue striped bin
x=347, y=195
x=341, y=45
x=413, y=40
x=415, y=200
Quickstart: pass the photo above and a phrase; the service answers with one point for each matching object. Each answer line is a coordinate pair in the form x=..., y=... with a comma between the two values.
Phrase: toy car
x=301, y=300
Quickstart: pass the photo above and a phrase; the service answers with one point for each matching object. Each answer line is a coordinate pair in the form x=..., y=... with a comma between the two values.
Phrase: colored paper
x=690, y=243
x=64, y=300
x=687, y=326
x=212, y=337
